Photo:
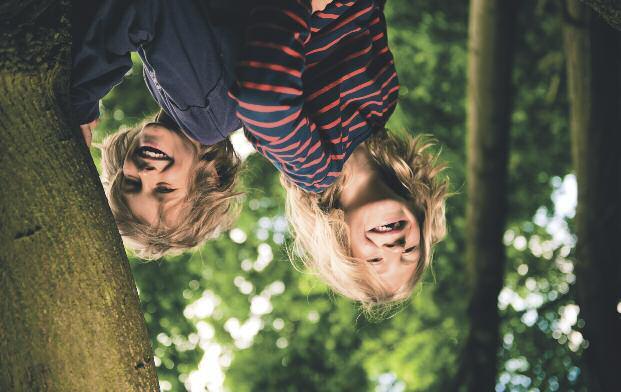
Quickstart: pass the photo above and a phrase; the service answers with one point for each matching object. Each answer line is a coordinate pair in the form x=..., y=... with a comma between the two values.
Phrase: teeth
x=389, y=227
x=154, y=154
x=148, y=152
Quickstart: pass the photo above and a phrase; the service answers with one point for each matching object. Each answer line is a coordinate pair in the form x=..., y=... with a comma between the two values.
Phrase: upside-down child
x=315, y=90
x=170, y=181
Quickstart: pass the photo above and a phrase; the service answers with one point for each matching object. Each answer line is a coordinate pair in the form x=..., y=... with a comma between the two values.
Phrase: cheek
x=185, y=146
x=179, y=177
x=356, y=250
x=187, y=159
x=361, y=248
x=188, y=152
x=128, y=167
x=143, y=209
x=354, y=221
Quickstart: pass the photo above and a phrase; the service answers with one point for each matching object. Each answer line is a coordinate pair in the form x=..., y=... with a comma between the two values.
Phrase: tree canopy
x=235, y=314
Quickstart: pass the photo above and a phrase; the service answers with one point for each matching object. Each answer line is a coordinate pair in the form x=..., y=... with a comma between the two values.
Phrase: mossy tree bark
x=610, y=10
x=593, y=52
x=70, y=315
x=490, y=61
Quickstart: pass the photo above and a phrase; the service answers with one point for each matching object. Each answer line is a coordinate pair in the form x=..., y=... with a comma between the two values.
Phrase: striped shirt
x=312, y=87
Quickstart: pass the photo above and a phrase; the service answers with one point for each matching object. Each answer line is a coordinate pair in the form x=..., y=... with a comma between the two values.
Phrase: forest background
x=235, y=315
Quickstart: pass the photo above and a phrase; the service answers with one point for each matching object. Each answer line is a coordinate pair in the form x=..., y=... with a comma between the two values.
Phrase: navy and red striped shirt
x=312, y=87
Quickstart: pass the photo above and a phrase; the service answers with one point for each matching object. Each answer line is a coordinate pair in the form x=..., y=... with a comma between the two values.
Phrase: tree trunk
x=490, y=60
x=70, y=316
x=610, y=10
x=593, y=52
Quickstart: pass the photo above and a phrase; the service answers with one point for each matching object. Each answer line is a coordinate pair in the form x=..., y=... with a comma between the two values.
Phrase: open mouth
x=148, y=152
x=389, y=227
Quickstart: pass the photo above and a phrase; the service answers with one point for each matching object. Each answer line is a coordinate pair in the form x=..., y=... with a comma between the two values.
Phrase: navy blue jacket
x=187, y=60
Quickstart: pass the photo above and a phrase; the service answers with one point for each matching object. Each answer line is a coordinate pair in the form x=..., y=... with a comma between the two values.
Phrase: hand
x=319, y=5
x=87, y=131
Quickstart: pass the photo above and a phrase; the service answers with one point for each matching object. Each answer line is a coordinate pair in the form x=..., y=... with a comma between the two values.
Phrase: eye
x=131, y=184
x=163, y=189
x=409, y=250
x=375, y=260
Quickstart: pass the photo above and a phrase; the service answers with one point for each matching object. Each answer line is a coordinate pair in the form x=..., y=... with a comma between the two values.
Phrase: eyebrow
x=161, y=204
x=126, y=187
x=415, y=258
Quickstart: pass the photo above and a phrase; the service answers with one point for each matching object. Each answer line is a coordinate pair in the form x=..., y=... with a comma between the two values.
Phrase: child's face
x=383, y=229
x=157, y=172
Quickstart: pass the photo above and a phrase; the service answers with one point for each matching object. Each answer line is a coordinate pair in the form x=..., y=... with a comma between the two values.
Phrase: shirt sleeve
x=101, y=51
x=269, y=92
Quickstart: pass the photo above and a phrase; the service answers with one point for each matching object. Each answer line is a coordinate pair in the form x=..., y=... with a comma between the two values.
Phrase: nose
x=145, y=169
x=148, y=171
x=150, y=165
x=389, y=241
x=398, y=245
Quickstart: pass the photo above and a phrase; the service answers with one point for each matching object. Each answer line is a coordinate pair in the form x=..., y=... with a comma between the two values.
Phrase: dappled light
x=443, y=216
x=240, y=299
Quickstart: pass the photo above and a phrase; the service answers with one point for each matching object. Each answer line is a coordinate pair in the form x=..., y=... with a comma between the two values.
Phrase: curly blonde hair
x=321, y=239
x=212, y=201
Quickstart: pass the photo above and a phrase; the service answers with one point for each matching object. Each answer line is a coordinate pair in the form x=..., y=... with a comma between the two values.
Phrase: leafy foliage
x=238, y=311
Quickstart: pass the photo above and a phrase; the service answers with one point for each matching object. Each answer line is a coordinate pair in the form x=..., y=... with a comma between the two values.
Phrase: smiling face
x=156, y=174
x=370, y=235
x=383, y=230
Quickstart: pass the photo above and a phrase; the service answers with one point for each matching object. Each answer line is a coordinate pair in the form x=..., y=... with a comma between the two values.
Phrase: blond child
x=315, y=87
x=370, y=235
x=170, y=181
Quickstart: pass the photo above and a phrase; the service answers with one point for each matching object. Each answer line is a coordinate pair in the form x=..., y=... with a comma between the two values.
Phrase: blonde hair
x=321, y=239
x=212, y=201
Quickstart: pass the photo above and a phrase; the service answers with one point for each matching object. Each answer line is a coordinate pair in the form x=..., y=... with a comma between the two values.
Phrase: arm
x=319, y=5
x=102, y=43
x=269, y=91
x=87, y=131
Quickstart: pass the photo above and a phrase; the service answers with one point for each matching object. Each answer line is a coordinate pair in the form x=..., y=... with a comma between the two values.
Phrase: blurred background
x=237, y=316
